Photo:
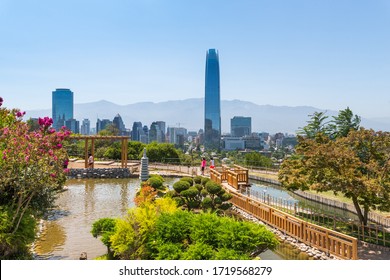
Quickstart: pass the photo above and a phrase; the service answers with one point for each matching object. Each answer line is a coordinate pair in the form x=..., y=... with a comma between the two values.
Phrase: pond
x=66, y=232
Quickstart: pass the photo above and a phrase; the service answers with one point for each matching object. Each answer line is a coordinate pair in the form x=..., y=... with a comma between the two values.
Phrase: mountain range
x=189, y=113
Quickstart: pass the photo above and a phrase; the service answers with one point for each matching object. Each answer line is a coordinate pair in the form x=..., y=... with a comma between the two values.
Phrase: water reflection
x=261, y=190
x=67, y=229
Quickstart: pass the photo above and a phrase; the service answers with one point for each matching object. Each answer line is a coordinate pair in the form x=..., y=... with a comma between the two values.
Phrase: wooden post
x=86, y=153
x=93, y=152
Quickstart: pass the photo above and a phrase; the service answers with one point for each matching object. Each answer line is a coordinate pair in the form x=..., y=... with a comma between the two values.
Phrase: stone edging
x=310, y=251
x=100, y=173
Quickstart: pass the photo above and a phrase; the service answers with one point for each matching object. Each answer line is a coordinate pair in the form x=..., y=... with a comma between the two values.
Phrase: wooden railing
x=236, y=176
x=325, y=240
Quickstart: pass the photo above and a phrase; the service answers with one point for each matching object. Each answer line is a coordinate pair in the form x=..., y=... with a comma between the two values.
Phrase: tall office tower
x=144, y=138
x=137, y=131
x=240, y=126
x=212, y=123
x=73, y=125
x=102, y=124
x=157, y=132
x=118, y=122
x=62, y=107
x=86, y=127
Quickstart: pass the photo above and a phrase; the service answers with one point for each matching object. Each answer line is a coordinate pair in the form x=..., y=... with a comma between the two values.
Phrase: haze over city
x=326, y=54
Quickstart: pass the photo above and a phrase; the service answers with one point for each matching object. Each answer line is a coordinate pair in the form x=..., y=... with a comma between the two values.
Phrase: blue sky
x=329, y=54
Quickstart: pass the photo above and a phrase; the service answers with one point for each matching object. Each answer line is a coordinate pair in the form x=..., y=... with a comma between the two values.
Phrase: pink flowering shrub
x=32, y=174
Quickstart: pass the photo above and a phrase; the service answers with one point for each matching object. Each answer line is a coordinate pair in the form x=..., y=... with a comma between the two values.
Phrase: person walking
x=212, y=166
x=203, y=165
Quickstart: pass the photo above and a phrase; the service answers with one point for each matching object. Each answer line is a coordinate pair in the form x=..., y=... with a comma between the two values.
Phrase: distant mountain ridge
x=189, y=113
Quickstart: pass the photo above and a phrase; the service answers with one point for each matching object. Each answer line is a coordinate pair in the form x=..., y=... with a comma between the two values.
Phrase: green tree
x=342, y=124
x=135, y=149
x=162, y=152
x=207, y=195
x=356, y=166
x=317, y=124
x=257, y=159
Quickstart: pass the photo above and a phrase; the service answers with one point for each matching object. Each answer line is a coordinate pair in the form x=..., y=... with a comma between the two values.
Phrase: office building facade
x=212, y=124
x=86, y=127
x=240, y=126
x=62, y=107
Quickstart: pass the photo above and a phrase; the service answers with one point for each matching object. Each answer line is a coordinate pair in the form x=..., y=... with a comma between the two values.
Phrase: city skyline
x=325, y=54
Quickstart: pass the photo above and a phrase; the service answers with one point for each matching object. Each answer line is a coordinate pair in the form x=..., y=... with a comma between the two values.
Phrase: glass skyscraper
x=62, y=107
x=212, y=123
x=240, y=126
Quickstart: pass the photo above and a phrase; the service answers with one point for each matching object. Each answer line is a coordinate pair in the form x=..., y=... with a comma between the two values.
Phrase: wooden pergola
x=124, y=140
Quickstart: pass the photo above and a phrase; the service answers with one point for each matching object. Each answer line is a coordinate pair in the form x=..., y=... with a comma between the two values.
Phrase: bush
x=180, y=186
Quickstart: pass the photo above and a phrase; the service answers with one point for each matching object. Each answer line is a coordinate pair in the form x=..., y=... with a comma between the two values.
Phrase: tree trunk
x=359, y=211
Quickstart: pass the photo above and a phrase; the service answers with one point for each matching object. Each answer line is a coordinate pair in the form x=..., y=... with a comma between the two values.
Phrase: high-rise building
x=137, y=131
x=62, y=107
x=177, y=135
x=119, y=124
x=73, y=125
x=212, y=123
x=240, y=126
x=157, y=132
x=85, y=127
x=102, y=124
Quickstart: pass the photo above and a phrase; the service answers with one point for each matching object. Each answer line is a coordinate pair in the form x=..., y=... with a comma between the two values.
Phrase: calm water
x=258, y=189
x=67, y=231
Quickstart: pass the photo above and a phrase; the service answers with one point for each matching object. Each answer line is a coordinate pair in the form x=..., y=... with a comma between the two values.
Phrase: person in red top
x=203, y=165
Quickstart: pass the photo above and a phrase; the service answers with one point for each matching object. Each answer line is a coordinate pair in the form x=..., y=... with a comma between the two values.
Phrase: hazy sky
x=324, y=53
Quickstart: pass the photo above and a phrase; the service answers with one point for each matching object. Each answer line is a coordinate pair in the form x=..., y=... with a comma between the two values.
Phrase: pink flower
x=1, y=101
x=20, y=114
x=45, y=122
x=53, y=175
x=27, y=158
x=59, y=145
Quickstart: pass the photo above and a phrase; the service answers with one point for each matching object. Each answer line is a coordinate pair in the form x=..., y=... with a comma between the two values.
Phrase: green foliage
x=257, y=159
x=129, y=239
x=188, y=179
x=162, y=152
x=105, y=228
x=180, y=186
x=134, y=150
x=355, y=165
x=15, y=246
x=32, y=174
x=213, y=187
x=210, y=197
x=189, y=236
x=198, y=179
x=156, y=182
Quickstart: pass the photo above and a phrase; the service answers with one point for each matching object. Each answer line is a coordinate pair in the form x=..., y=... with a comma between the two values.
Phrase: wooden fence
x=325, y=240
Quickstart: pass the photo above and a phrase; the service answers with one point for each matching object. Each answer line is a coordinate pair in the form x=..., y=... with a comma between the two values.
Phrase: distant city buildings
x=62, y=107
x=212, y=122
x=177, y=136
x=157, y=132
x=240, y=126
x=119, y=124
x=85, y=127
x=73, y=125
x=102, y=124
x=136, y=131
